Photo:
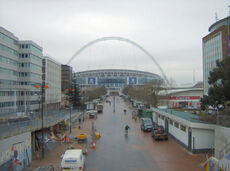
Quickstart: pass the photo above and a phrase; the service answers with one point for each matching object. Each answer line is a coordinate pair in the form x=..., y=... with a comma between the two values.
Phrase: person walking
x=135, y=118
x=133, y=114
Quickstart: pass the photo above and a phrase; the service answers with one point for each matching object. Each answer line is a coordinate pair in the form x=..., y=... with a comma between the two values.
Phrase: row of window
x=36, y=58
x=33, y=48
x=27, y=55
x=101, y=81
x=109, y=74
x=7, y=39
x=8, y=82
x=8, y=61
x=6, y=104
x=24, y=46
x=174, y=123
x=15, y=63
x=29, y=46
x=30, y=65
x=18, y=103
x=35, y=75
x=21, y=74
x=29, y=74
x=29, y=83
x=8, y=50
x=7, y=93
x=8, y=71
x=19, y=93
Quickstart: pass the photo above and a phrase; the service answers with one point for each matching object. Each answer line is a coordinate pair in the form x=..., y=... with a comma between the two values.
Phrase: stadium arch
x=123, y=40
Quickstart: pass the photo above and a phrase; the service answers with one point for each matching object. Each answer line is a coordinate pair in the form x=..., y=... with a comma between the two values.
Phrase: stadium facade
x=114, y=79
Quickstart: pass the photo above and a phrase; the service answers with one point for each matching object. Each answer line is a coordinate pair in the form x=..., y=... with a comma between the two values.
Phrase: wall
x=203, y=139
x=180, y=135
x=177, y=133
x=21, y=144
x=222, y=138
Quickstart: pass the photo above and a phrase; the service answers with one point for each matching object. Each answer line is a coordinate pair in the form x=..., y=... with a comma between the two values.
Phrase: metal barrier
x=10, y=129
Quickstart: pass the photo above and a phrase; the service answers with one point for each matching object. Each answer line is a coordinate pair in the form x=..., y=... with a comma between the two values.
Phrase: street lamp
x=70, y=110
x=39, y=102
x=42, y=112
x=70, y=128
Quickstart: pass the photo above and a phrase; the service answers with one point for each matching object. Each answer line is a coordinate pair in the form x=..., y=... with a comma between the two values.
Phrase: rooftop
x=172, y=91
x=184, y=115
x=219, y=23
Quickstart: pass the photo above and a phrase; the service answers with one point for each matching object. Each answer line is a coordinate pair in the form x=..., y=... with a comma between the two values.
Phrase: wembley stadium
x=114, y=79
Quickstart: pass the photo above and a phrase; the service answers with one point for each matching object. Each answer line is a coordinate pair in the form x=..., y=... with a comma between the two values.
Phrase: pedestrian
x=135, y=118
x=133, y=114
x=79, y=120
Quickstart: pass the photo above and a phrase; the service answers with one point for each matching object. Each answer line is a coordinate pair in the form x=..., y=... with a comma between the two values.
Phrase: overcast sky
x=170, y=30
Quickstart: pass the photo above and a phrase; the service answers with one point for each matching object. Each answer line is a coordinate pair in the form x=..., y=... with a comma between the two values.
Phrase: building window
x=176, y=124
x=162, y=117
x=183, y=128
x=171, y=122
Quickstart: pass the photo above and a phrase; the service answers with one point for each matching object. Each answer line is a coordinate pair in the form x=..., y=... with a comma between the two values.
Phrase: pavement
x=115, y=151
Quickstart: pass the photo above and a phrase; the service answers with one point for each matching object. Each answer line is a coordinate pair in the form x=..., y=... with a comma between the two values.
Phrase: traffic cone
x=94, y=145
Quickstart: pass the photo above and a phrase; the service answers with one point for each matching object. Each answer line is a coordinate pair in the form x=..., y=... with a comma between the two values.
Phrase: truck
x=99, y=108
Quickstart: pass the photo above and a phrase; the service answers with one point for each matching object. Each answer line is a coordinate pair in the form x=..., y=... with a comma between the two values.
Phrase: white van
x=73, y=160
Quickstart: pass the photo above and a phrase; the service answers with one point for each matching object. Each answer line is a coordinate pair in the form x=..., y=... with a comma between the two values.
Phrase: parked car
x=146, y=120
x=146, y=124
x=92, y=113
x=159, y=133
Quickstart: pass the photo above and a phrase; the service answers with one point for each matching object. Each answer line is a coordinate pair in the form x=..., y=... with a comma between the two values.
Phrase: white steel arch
x=123, y=40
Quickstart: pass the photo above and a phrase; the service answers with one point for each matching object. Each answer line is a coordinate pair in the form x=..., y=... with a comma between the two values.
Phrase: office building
x=52, y=77
x=66, y=77
x=216, y=46
x=20, y=71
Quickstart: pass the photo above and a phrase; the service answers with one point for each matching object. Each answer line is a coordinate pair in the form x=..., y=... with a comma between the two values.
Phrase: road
x=138, y=151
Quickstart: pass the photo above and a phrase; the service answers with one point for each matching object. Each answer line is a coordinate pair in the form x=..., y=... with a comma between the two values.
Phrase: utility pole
x=42, y=112
x=93, y=131
x=114, y=103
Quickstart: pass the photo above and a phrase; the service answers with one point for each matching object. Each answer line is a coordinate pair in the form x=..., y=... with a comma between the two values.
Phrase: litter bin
x=148, y=114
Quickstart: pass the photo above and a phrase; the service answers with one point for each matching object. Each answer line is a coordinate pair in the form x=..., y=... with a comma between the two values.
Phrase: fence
x=10, y=129
x=223, y=120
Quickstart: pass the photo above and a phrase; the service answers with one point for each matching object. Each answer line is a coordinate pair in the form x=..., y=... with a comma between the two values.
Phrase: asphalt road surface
x=137, y=152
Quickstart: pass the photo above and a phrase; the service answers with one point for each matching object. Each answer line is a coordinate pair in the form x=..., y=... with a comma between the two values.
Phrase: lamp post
x=42, y=112
x=70, y=128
